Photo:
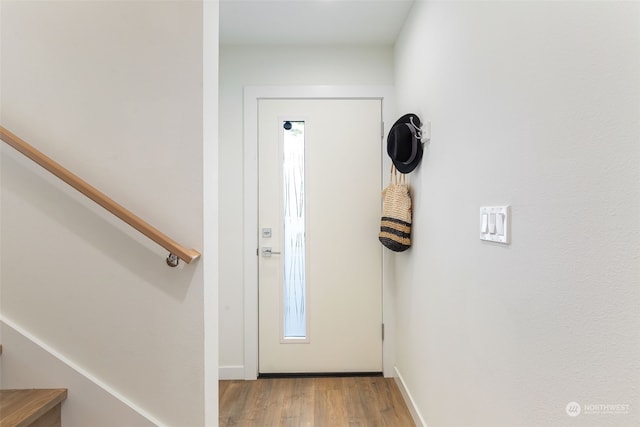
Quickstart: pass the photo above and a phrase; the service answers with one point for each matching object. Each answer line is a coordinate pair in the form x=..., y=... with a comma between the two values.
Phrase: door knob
x=267, y=251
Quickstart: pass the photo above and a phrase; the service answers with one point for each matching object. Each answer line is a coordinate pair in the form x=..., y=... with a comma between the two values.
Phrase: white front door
x=320, y=270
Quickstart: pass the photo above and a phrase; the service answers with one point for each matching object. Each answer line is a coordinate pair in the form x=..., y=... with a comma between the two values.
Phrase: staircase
x=32, y=408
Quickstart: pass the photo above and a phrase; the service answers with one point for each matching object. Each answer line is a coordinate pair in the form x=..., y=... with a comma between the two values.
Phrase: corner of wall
x=408, y=399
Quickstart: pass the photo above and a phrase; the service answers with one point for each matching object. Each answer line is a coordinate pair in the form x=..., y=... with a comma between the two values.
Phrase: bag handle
x=396, y=177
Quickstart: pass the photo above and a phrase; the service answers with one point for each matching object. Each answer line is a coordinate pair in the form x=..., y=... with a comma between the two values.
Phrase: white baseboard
x=231, y=372
x=411, y=404
x=28, y=362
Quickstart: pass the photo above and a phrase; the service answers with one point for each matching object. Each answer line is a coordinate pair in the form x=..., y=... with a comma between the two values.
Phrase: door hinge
x=383, y=332
x=382, y=130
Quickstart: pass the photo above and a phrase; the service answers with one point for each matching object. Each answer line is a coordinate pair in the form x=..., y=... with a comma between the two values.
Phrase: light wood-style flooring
x=319, y=402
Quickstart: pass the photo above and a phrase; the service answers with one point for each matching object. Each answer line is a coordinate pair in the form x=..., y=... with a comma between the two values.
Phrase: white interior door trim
x=250, y=189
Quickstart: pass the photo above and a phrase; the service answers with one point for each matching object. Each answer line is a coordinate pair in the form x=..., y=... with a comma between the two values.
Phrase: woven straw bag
x=395, y=224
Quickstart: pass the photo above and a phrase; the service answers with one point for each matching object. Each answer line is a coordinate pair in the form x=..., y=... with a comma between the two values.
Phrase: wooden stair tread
x=20, y=408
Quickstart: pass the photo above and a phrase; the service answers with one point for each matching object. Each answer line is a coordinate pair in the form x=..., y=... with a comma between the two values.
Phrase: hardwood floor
x=318, y=402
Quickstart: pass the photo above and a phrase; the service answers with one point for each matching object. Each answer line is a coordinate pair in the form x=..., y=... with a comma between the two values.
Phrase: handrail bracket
x=173, y=260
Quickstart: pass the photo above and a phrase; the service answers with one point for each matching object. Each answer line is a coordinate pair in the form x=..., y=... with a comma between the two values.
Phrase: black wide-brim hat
x=404, y=144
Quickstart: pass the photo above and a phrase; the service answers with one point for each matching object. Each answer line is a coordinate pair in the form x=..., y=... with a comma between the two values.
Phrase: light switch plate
x=499, y=233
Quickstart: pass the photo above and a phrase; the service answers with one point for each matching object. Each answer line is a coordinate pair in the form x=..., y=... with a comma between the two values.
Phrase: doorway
x=252, y=231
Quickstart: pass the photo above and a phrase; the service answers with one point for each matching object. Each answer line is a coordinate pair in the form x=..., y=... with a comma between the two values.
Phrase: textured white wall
x=113, y=91
x=245, y=66
x=536, y=105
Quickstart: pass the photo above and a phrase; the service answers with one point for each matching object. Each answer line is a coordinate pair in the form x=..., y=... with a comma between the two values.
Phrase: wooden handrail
x=187, y=255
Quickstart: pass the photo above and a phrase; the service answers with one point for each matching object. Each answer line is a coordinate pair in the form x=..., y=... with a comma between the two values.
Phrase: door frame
x=252, y=94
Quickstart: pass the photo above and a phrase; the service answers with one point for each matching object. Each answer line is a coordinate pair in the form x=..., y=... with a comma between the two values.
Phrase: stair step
x=35, y=408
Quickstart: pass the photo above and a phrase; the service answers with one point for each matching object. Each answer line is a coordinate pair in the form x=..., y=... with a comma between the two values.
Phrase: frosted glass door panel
x=294, y=250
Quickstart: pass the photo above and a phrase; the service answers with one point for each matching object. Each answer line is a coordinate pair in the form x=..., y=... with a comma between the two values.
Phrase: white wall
x=536, y=105
x=113, y=91
x=28, y=365
x=245, y=66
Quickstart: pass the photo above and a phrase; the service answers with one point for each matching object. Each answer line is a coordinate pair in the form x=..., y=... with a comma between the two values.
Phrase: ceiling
x=312, y=22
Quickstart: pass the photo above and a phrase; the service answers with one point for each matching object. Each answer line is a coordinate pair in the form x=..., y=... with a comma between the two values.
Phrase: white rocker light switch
x=494, y=223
